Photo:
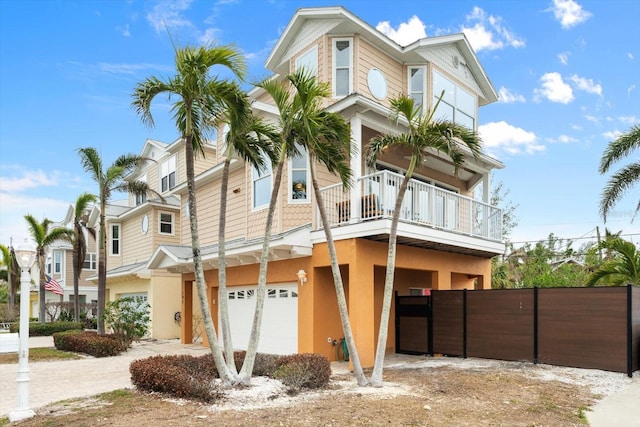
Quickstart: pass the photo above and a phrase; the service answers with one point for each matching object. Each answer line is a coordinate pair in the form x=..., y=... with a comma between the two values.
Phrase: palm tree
x=110, y=180
x=326, y=137
x=43, y=237
x=10, y=261
x=200, y=96
x=250, y=138
x=622, y=268
x=423, y=133
x=81, y=229
x=626, y=177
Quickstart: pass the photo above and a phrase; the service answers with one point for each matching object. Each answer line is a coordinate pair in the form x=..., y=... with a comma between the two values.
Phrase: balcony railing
x=424, y=204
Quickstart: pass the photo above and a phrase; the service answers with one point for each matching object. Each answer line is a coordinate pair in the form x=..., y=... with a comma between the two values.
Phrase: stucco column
x=362, y=307
x=356, y=167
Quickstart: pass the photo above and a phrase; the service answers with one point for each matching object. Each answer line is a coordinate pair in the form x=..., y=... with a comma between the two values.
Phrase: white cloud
x=564, y=57
x=488, y=33
x=629, y=120
x=630, y=56
x=168, y=14
x=129, y=69
x=507, y=97
x=569, y=13
x=407, y=32
x=501, y=136
x=563, y=139
x=209, y=36
x=612, y=134
x=124, y=31
x=586, y=85
x=28, y=180
x=592, y=119
x=630, y=89
x=554, y=89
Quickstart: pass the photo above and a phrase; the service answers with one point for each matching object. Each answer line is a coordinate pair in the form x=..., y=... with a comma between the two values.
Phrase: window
x=457, y=105
x=342, y=63
x=168, y=174
x=115, y=239
x=89, y=262
x=82, y=300
x=166, y=223
x=309, y=61
x=57, y=262
x=298, y=175
x=141, y=198
x=416, y=85
x=261, y=182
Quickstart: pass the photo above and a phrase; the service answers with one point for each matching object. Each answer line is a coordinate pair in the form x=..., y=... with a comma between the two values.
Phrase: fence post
x=629, y=331
x=535, y=325
x=464, y=323
x=430, y=325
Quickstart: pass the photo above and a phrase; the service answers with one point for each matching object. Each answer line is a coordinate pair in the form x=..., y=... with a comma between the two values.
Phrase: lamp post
x=25, y=255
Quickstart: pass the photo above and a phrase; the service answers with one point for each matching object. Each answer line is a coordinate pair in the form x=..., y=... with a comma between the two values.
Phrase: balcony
x=430, y=217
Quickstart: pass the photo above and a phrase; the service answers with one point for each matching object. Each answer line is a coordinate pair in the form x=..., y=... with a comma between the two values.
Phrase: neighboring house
x=445, y=238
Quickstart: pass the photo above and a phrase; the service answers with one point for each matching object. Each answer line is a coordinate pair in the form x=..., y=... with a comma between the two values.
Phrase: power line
x=571, y=238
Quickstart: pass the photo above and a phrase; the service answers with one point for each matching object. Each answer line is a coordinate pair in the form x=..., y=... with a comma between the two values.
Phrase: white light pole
x=25, y=255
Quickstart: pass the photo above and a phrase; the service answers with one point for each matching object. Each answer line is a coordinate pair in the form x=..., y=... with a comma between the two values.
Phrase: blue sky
x=568, y=74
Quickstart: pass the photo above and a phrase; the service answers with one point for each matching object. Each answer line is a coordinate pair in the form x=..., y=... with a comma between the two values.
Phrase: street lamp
x=25, y=255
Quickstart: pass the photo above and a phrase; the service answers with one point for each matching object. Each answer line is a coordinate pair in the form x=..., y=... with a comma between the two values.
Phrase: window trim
x=171, y=168
x=93, y=261
x=314, y=48
x=334, y=68
x=140, y=198
x=118, y=239
x=455, y=107
x=269, y=175
x=307, y=199
x=160, y=223
x=57, y=263
x=424, y=82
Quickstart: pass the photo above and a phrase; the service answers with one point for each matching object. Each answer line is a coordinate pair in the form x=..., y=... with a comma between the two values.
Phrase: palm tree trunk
x=216, y=351
x=102, y=265
x=252, y=348
x=76, y=287
x=337, y=281
x=42, y=279
x=222, y=269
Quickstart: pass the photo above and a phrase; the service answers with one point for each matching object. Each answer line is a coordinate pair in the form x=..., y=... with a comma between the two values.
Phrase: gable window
x=342, y=66
x=89, y=262
x=115, y=239
x=416, y=85
x=309, y=61
x=141, y=198
x=457, y=105
x=57, y=262
x=298, y=176
x=165, y=223
x=168, y=174
x=261, y=185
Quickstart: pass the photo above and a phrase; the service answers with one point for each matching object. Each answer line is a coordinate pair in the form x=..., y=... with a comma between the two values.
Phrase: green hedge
x=47, y=329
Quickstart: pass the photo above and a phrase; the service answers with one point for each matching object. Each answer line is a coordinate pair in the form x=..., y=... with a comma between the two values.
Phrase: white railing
x=423, y=204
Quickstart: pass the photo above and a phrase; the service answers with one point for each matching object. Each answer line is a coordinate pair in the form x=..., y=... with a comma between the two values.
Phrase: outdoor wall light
x=302, y=277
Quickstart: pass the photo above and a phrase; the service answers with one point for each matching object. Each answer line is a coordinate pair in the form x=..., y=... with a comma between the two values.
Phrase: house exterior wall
x=370, y=57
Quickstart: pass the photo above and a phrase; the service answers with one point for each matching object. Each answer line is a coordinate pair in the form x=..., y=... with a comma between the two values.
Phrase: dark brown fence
x=595, y=328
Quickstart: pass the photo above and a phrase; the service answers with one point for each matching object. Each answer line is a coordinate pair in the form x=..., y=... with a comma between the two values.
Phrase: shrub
x=128, y=318
x=303, y=371
x=264, y=366
x=181, y=376
x=88, y=342
x=47, y=329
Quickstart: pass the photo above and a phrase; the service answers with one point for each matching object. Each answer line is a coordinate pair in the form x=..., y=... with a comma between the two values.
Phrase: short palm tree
x=624, y=178
x=109, y=181
x=43, y=236
x=622, y=268
x=81, y=230
x=424, y=133
x=200, y=97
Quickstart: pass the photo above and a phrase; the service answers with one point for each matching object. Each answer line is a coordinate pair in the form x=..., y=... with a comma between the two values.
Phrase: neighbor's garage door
x=279, y=331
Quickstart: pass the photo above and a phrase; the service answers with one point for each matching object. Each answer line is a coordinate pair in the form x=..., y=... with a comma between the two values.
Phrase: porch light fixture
x=302, y=277
x=25, y=256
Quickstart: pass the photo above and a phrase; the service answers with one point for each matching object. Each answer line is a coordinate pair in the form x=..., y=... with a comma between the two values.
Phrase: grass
x=40, y=355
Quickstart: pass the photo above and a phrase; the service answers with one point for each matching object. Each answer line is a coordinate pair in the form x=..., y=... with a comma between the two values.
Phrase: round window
x=145, y=224
x=377, y=84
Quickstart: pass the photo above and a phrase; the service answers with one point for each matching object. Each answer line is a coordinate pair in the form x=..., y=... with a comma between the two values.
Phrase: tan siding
x=442, y=58
x=136, y=247
x=310, y=31
x=163, y=239
x=370, y=57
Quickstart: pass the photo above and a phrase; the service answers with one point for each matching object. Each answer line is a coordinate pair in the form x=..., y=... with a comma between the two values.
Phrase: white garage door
x=279, y=331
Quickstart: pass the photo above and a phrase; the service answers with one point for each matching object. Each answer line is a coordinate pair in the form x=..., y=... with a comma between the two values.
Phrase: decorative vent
x=456, y=61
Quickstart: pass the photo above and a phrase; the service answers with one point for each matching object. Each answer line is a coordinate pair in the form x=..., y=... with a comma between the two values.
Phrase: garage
x=279, y=332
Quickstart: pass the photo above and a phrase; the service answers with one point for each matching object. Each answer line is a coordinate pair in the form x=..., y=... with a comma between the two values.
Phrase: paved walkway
x=59, y=380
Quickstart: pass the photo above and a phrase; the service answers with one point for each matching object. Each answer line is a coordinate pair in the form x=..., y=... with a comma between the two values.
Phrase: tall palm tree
x=110, y=180
x=423, y=133
x=250, y=138
x=200, y=98
x=81, y=229
x=326, y=137
x=10, y=261
x=622, y=268
x=43, y=237
x=624, y=178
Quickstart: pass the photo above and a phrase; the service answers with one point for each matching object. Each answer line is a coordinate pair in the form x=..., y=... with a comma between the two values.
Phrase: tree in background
x=11, y=263
x=622, y=268
x=44, y=236
x=625, y=178
x=81, y=230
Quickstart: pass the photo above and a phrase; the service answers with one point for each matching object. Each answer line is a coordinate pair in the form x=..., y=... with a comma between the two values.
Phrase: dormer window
x=457, y=105
x=141, y=198
x=309, y=61
x=342, y=67
x=168, y=174
x=417, y=85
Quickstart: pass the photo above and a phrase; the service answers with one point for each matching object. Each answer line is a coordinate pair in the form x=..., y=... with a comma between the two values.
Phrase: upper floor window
x=309, y=61
x=417, y=85
x=342, y=66
x=261, y=185
x=298, y=175
x=57, y=262
x=165, y=223
x=141, y=198
x=115, y=239
x=168, y=174
x=89, y=262
x=457, y=105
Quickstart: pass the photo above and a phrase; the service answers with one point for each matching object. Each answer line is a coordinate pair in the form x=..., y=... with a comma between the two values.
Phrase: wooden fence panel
x=635, y=328
x=500, y=324
x=448, y=322
x=412, y=336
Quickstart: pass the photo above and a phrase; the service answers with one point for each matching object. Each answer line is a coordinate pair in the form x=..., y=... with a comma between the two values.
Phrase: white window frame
x=168, y=167
x=58, y=259
x=161, y=223
x=424, y=82
x=308, y=189
x=455, y=107
x=309, y=57
x=334, y=67
x=256, y=175
x=91, y=259
x=113, y=240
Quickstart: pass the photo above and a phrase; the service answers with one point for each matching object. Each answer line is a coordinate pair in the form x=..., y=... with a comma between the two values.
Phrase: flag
x=52, y=286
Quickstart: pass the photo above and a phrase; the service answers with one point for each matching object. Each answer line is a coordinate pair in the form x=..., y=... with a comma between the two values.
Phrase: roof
x=138, y=269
